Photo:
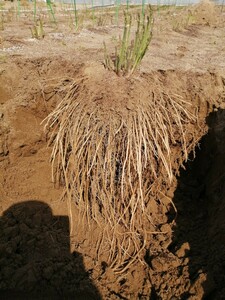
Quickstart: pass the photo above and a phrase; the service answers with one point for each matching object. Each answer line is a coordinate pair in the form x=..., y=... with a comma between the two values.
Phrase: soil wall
x=38, y=258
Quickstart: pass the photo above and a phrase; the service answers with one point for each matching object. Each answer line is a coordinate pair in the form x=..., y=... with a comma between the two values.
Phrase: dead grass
x=109, y=161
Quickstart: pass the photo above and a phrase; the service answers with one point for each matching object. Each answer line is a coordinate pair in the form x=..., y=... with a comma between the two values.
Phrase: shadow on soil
x=35, y=258
x=199, y=235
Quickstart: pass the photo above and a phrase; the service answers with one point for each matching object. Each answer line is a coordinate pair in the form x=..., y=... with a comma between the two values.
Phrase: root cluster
x=110, y=160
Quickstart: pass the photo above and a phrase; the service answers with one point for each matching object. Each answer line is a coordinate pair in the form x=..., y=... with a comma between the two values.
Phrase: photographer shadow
x=35, y=258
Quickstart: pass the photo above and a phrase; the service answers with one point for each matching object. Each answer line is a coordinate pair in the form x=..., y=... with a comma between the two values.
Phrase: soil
x=184, y=258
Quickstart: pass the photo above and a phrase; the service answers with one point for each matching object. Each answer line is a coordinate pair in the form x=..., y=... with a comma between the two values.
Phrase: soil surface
x=184, y=258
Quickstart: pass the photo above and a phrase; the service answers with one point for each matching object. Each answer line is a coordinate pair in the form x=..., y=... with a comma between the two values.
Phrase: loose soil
x=184, y=254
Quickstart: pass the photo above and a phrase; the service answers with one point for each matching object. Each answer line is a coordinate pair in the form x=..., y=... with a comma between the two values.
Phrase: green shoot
x=127, y=4
x=143, y=8
x=49, y=5
x=130, y=53
x=117, y=11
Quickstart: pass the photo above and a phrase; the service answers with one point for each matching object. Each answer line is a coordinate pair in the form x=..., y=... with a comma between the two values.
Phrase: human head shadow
x=35, y=258
x=200, y=226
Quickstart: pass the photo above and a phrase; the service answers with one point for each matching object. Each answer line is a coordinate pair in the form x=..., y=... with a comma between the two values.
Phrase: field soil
x=46, y=254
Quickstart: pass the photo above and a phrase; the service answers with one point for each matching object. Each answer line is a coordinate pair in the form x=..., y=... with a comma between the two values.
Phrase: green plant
x=130, y=53
x=117, y=11
x=143, y=7
x=37, y=31
x=49, y=5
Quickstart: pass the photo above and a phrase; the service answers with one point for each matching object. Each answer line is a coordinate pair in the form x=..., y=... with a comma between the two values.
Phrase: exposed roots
x=110, y=161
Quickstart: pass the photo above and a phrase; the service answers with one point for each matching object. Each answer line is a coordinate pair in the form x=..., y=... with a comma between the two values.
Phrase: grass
x=18, y=8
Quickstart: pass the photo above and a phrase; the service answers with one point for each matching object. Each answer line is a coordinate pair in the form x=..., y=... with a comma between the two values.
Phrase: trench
x=199, y=233
x=197, y=240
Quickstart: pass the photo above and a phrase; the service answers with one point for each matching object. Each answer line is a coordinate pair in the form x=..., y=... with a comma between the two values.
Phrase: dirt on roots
x=114, y=150
x=113, y=187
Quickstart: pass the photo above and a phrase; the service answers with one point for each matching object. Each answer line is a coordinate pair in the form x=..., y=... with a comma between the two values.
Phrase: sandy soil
x=39, y=259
